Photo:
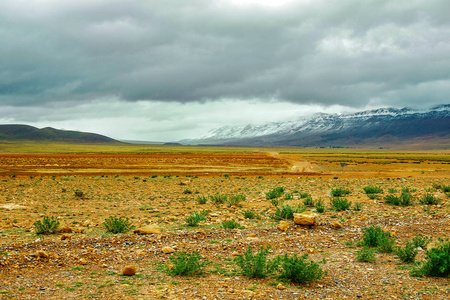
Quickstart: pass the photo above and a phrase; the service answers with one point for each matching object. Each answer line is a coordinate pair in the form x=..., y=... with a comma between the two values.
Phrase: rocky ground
x=87, y=262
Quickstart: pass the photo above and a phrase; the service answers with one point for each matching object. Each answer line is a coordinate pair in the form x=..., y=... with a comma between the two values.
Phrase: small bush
x=117, y=225
x=201, y=200
x=275, y=193
x=304, y=195
x=320, y=206
x=309, y=202
x=218, y=198
x=232, y=224
x=258, y=265
x=429, y=199
x=277, y=202
x=386, y=243
x=235, y=200
x=187, y=192
x=437, y=261
x=392, y=191
x=405, y=199
x=286, y=212
x=249, y=214
x=421, y=241
x=373, y=190
x=297, y=269
x=194, y=219
x=78, y=194
x=340, y=204
x=408, y=253
x=366, y=254
x=185, y=264
x=445, y=188
x=357, y=206
x=339, y=192
x=288, y=196
x=374, y=236
x=48, y=225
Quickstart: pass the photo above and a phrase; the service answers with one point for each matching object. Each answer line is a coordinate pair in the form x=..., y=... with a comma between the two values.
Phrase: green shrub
x=405, y=199
x=185, y=264
x=187, y=192
x=258, y=265
x=48, y=225
x=275, y=193
x=421, y=241
x=277, y=202
x=386, y=243
x=288, y=196
x=373, y=190
x=304, y=195
x=201, y=200
x=320, y=206
x=429, y=199
x=392, y=190
x=218, y=198
x=408, y=253
x=297, y=269
x=340, y=204
x=309, y=202
x=232, y=224
x=339, y=192
x=235, y=200
x=286, y=212
x=249, y=214
x=195, y=218
x=437, y=261
x=357, y=206
x=445, y=188
x=374, y=236
x=366, y=254
x=117, y=225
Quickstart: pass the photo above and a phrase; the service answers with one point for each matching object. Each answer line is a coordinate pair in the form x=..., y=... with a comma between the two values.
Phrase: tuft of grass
x=320, y=206
x=235, y=200
x=357, y=206
x=117, y=225
x=218, y=198
x=275, y=193
x=339, y=192
x=258, y=265
x=232, y=224
x=249, y=214
x=421, y=241
x=185, y=264
x=340, y=204
x=437, y=262
x=374, y=236
x=201, y=200
x=297, y=269
x=309, y=202
x=429, y=199
x=405, y=199
x=366, y=254
x=408, y=253
x=286, y=212
x=195, y=218
x=48, y=225
x=373, y=190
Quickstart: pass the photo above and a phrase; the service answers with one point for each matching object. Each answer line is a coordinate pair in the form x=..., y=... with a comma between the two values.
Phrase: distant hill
x=26, y=132
x=386, y=127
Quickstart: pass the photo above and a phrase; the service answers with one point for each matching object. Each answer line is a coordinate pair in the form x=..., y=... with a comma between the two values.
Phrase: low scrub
x=258, y=265
x=405, y=199
x=235, y=200
x=339, y=192
x=185, y=264
x=286, y=212
x=232, y=224
x=366, y=254
x=340, y=204
x=48, y=225
x=196, y=218
x=116, y=225
x=297, y=269
x=429, y=199
x=275, y=193
x=374, y=236
x=437, y=263
x=407, y=254
x=218, y=198
x=373, y=190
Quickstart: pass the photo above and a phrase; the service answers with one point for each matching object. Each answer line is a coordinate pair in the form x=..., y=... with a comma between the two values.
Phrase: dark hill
x=26, y=132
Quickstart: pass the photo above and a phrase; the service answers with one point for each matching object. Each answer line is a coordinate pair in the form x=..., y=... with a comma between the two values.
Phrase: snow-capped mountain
x=384, y=124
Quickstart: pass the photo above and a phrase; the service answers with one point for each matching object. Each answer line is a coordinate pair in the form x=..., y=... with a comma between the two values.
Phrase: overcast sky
x=174, y=69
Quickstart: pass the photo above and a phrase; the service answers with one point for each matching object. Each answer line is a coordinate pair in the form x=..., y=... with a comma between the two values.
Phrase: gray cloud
x=347, y=52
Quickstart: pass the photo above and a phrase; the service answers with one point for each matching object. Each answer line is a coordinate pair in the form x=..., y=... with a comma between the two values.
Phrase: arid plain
x=81, y=186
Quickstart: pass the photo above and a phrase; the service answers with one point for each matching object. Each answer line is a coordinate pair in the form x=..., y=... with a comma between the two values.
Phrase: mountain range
x=26, y=132
x=384, y=127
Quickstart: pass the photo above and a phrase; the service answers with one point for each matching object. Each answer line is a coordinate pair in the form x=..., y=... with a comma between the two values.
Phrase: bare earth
x=162, y=189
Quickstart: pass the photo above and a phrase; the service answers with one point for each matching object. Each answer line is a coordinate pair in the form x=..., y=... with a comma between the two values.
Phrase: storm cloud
x=347, y=52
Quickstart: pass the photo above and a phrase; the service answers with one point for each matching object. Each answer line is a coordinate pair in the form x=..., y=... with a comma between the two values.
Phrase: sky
x=167, y=70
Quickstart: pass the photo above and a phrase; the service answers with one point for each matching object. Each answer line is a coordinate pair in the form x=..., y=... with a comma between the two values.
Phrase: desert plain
x=81, y=186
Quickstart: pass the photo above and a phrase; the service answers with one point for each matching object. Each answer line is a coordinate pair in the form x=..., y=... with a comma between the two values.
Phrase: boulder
x=167, y=250
x=306, y=218
x=149, y=229
x=336, y=225
x=129, y=271
x=283, y=226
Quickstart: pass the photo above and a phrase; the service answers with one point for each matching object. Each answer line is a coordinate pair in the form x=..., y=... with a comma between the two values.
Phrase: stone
x=83, y=261
x=336, y=225
x=167, y=250
x=305, y=218
x=129, y=271
x=65, y=237
x=235, y=253
x=283, y=226
x=42, y=254
x=280, y=287
x=65, y=229
x=149, y=229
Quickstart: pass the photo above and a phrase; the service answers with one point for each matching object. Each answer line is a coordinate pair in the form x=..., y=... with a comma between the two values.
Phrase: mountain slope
x=26, y=132
x=381, y=127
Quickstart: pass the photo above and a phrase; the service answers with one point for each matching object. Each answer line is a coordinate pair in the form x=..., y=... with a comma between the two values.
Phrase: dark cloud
x=347, y=52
